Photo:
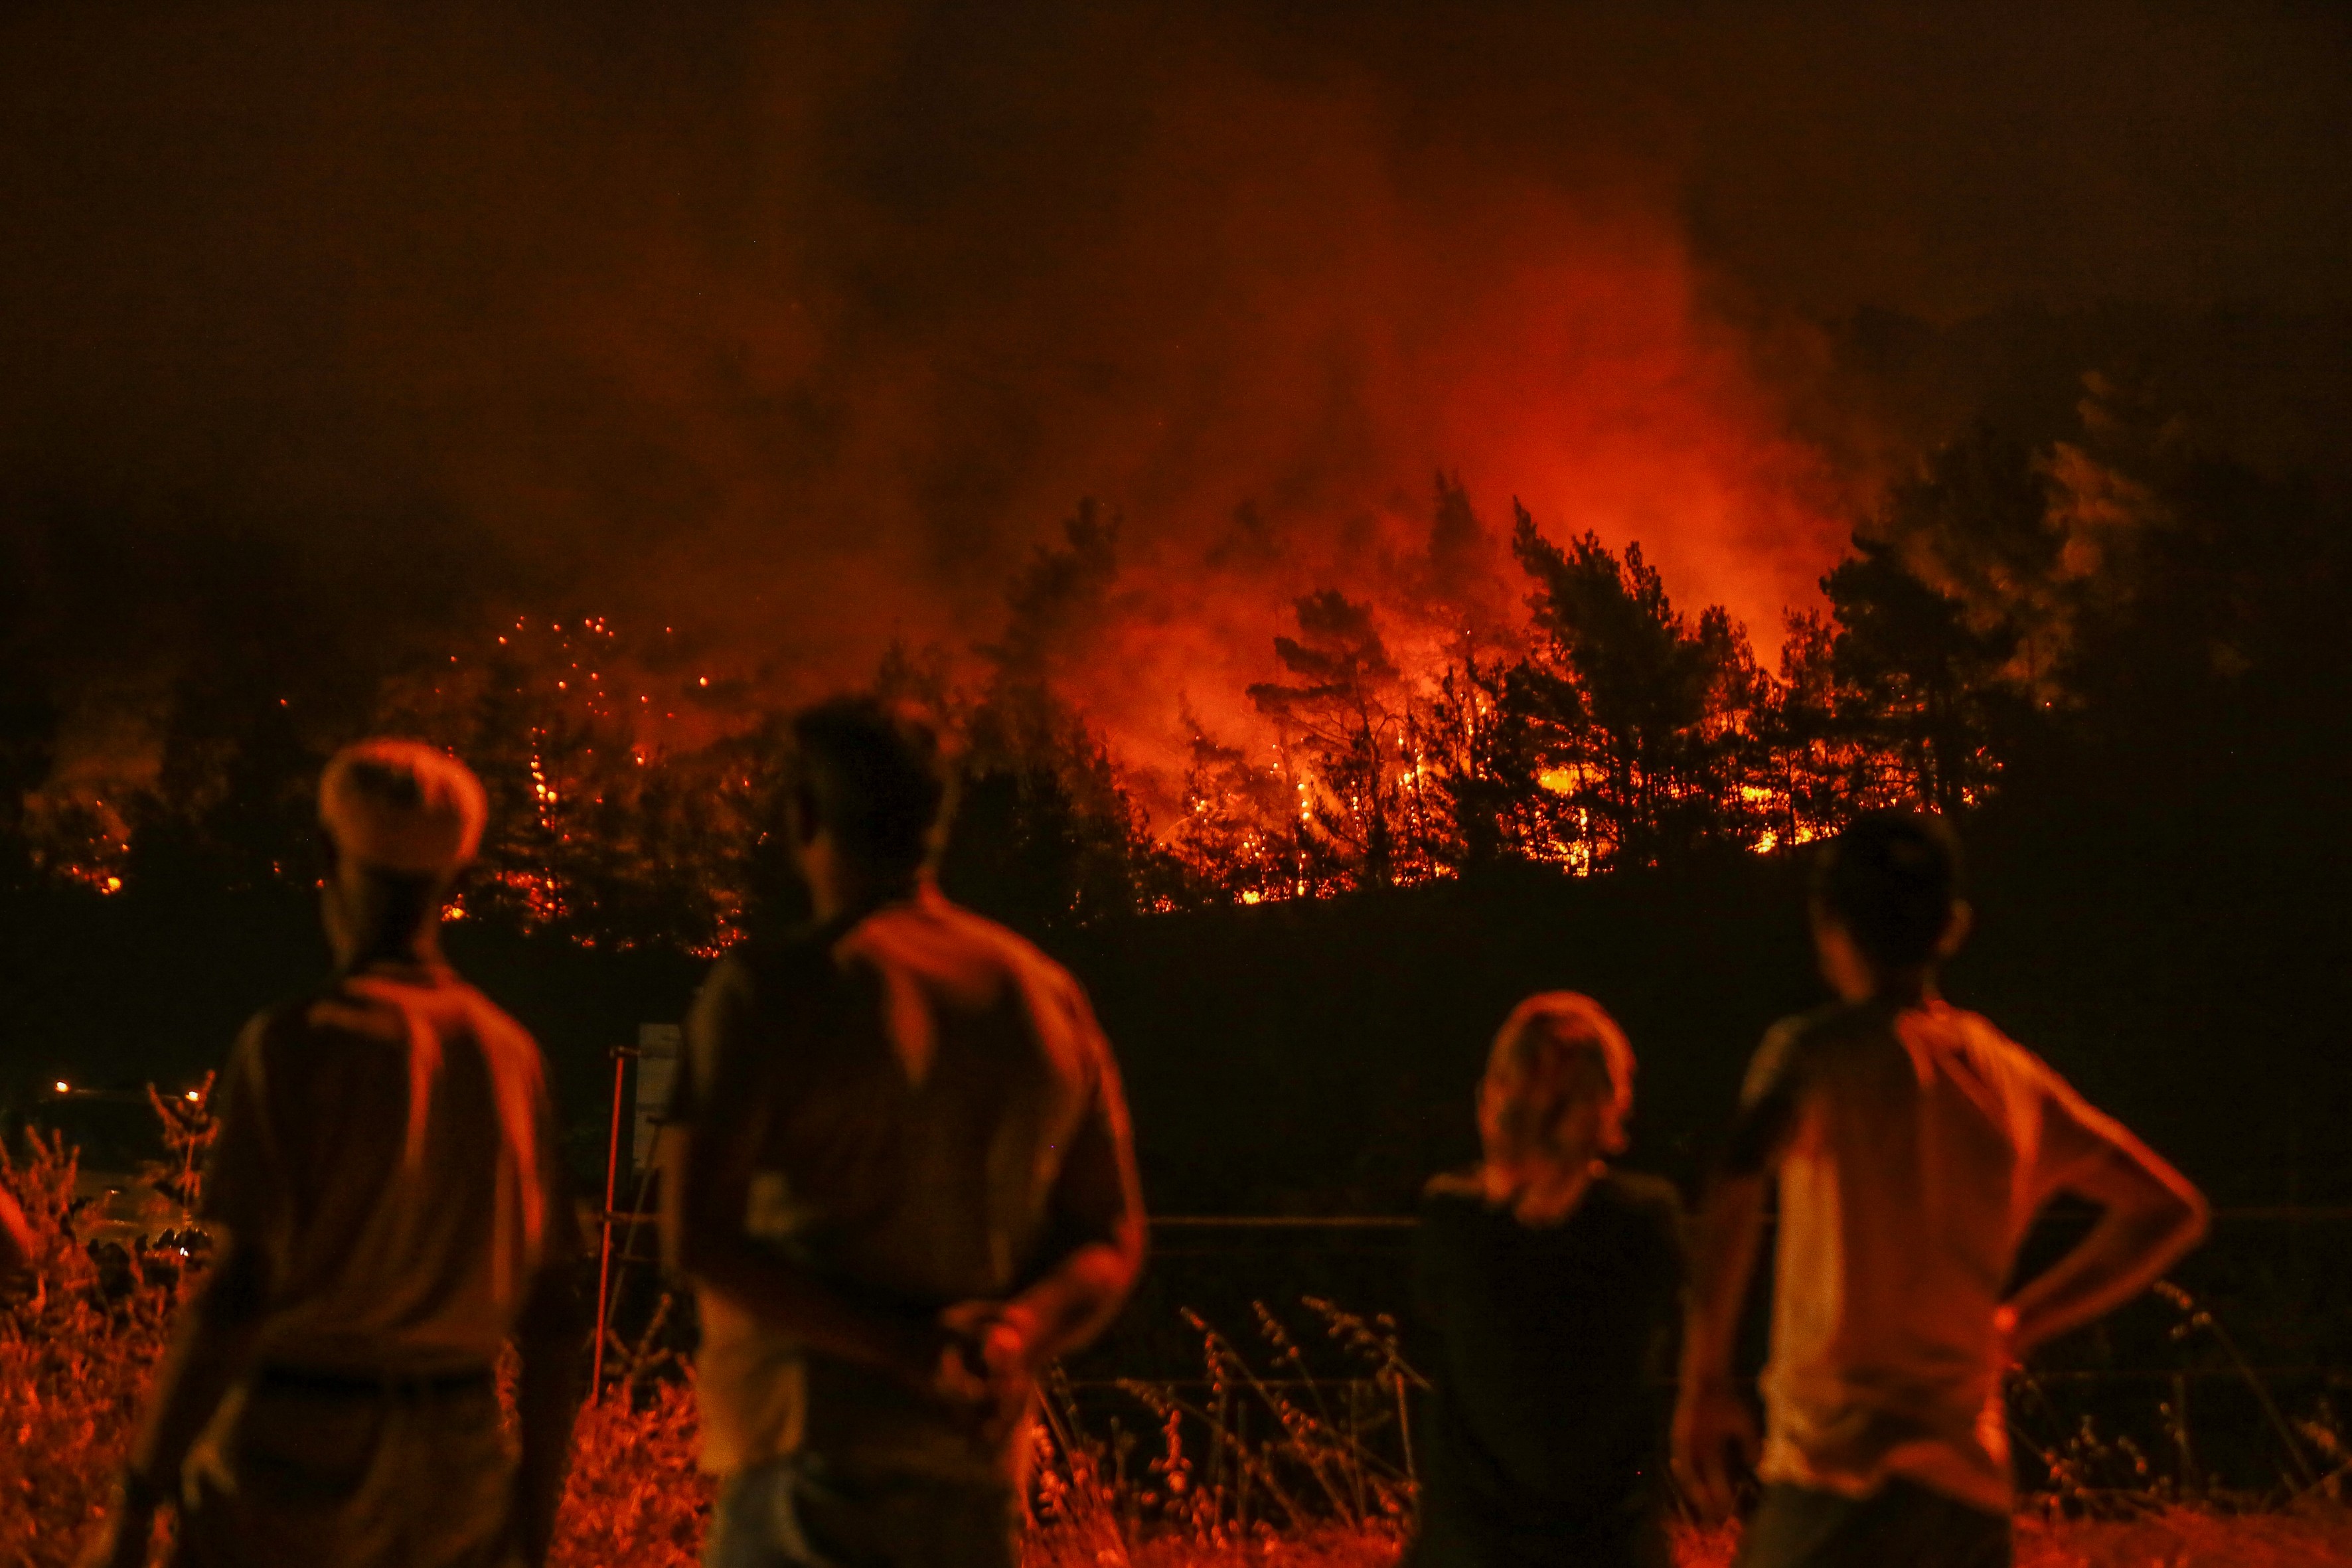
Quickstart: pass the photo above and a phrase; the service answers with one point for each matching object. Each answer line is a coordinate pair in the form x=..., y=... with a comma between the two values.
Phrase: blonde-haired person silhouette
x=1557, y=1092
x=1550, y=1281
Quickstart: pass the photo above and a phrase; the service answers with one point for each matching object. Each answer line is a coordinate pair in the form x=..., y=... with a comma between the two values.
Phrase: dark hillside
x=1318, y=1057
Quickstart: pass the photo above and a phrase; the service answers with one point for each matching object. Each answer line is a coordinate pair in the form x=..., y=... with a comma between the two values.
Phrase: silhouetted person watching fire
x=899, y=1177
x=1913, y=1144
x=1551, y=1282
x=388, y=1212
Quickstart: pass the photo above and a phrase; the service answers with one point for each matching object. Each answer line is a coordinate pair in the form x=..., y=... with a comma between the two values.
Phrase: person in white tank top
x=1912, y=1143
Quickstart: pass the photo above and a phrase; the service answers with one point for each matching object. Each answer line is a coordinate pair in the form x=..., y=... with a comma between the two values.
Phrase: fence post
x=604, y=1248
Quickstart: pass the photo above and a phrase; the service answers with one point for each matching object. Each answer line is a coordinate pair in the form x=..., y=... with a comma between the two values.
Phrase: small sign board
x=657, y=1050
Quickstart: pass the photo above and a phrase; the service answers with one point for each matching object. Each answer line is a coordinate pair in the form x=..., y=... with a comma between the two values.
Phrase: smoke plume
x=802, y=329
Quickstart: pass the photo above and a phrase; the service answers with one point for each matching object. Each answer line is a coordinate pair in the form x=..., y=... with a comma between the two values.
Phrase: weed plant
x=1262, y=1460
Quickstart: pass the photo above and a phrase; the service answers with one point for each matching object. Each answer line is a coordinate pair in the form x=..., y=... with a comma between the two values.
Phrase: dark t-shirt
x=1544, y=1434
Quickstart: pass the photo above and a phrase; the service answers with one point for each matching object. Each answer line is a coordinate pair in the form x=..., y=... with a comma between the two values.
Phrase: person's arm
x=212, y=1346
x=2151, y=1216
x=1714, y=1430
x=1083, y=1289
x=548, y=1338
x=15, y=1238
x=1096, y=1234
x=1712, y=1421
x=1097, y=1223
x=706, y=1195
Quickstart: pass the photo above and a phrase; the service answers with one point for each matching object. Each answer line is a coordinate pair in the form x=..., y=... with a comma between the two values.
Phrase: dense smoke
x=802, y=329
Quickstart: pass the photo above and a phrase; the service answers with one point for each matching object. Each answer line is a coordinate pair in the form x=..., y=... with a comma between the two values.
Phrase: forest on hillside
x=2113, y=612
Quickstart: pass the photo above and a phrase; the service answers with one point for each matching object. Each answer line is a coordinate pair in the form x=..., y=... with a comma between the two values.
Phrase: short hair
x=1892, y=880
x=1558, y=1051
x=873, y=774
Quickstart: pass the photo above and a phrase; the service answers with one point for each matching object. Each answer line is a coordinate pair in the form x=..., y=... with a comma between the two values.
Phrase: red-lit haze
x=1255, y=329
x=800, y=332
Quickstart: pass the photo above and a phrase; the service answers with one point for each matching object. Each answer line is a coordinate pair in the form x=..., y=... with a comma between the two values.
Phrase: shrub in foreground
x=1326, y=1483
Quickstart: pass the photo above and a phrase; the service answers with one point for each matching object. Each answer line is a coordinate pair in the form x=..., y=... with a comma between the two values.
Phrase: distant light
x=706, y=680
x=64, y=1087
x=193, y=1095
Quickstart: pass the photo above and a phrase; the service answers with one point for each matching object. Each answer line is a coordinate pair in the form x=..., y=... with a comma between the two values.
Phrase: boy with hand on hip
x=1913, y=1144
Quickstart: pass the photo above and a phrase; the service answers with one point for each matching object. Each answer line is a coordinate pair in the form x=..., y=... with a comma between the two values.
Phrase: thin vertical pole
x=605, y=1250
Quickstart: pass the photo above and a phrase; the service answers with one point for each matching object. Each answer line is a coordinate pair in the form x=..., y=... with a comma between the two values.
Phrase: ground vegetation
x=1292, y=1445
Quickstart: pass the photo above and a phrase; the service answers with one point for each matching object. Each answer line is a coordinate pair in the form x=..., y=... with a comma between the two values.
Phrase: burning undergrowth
x=1293, y=1447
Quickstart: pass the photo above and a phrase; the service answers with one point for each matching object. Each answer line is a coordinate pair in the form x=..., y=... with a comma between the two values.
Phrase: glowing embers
x=623, y=794
x=78, y=837
x=538, y=895
x=1302, y=828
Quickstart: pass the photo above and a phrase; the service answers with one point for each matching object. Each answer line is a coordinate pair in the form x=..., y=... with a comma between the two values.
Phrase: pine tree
x=1658, y=751
x=1344, y=720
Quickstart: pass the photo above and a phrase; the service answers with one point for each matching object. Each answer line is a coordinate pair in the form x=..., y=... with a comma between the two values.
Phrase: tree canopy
x=2120, y=607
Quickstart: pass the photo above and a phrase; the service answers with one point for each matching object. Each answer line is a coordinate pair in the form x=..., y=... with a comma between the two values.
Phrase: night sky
x=798, y=327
